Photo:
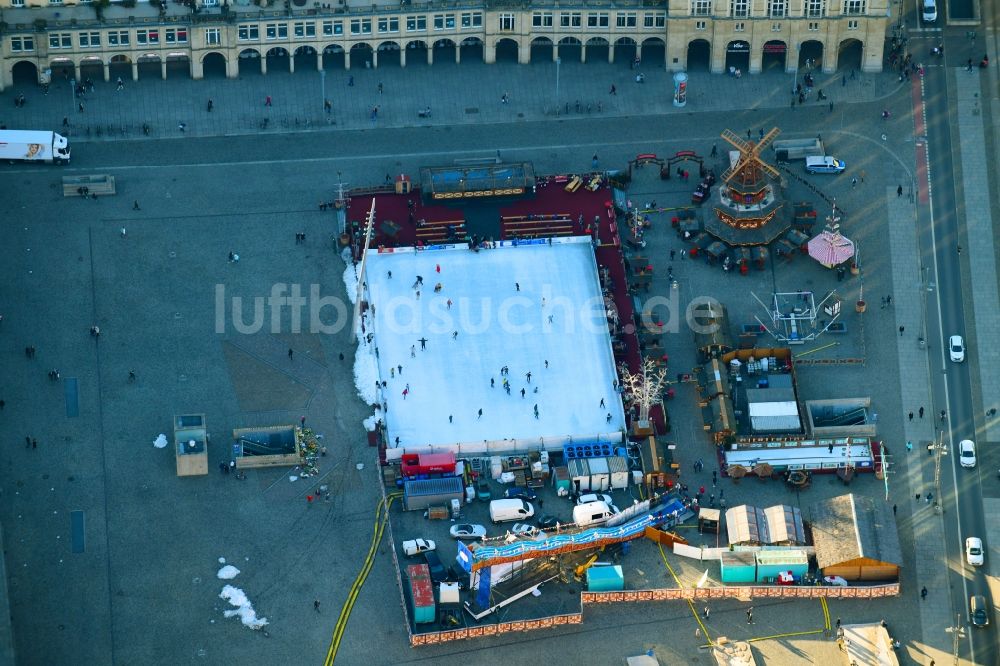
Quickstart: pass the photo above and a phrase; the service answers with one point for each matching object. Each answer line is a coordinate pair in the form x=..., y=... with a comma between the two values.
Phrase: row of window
x=741, y=26
x=545, y=19
x=778, y=8
x=359, y=26
x=89, y=40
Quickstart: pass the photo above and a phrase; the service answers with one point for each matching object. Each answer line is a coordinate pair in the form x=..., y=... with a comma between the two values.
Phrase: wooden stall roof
x=850, y=528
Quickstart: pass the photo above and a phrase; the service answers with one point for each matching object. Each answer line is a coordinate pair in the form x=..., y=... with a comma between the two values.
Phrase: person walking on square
x=267, y=101
x=614, y=90
x=921, y=412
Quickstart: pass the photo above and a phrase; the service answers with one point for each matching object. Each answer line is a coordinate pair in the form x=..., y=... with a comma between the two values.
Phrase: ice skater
x=423, y=343
x=454, y=335
x=492, y=383
x=449, y=418
x=507, y=388
x=449, y=304
x=602, y=403
x=523, y=392
x=607, y=419
x=517, y=286
x=528, y=376
x=399, y=368
x=392, y=373
x=413, y=351
x=389, y=274
x=437, y=268
x=546, y=364
x=419, y=282
x=536, y=410
x=480, y=414
x=406, y=391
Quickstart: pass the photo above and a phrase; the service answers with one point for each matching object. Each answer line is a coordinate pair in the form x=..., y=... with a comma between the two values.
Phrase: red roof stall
x=415, y=464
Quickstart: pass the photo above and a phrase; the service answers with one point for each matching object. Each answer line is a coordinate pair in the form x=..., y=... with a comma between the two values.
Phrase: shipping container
x=605, y=578
x=618, y=466
x=772, y=562
x=738, y=566
x=418, y=494
x=421, y=593
x=421, y=464
x=589, y=474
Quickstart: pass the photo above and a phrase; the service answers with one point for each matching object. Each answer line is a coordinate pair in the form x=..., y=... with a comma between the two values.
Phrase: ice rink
x=450, y=353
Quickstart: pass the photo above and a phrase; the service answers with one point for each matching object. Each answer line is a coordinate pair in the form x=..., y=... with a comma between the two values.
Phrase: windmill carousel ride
x=747, y=204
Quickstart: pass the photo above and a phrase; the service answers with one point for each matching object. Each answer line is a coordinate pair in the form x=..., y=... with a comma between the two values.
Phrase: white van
x=592, y=513
x=929, y=13
x=505, y=510
x=824, y=164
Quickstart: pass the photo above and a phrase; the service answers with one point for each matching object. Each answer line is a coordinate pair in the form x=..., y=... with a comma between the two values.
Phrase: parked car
x=548, y=522
x=467, y=531
x=523, y=529
x=956, y=349
x=438, y=571
x=518, y=492
x=979, y=614
x=974, y=551
x=417, y=546
x=824, y=164
x=483, y=490
x=967, y=453
x=594, y=497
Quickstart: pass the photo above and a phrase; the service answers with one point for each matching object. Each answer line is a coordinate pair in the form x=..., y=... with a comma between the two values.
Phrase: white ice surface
x=497, y=326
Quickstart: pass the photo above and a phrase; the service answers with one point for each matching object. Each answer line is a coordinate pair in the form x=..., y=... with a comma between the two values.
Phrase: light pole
x=322, y=88
x=558, y=62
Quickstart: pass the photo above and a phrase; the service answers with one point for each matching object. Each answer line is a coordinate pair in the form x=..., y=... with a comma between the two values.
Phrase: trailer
x=421, y=593
x=797, y=149
x=419, y=494
x=33, y=146
x=424, y=464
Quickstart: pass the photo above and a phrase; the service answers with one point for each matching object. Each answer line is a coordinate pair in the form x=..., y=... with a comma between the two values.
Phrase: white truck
x=33, y=146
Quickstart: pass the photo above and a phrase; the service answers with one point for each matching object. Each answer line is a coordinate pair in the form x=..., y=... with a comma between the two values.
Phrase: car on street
x=523, y=529
x=467, y=531
x=518, y=492
x=438, y=571
x=974, y=551
x=956, y=349
x=979, y=614
x=594, y=497
x=824, y=164
x=967, y=453
x=929, y=11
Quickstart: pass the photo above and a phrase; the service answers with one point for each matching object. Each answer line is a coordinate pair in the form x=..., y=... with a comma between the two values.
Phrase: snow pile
x=228, y=572
x=365, y=366
x=370, y=422
x=161, y=441
x=244, y=609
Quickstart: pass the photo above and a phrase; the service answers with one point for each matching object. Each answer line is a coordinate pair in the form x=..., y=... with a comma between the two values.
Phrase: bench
x=101, y=185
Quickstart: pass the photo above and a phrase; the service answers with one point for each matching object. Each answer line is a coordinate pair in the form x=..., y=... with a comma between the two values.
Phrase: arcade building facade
x=197, y=38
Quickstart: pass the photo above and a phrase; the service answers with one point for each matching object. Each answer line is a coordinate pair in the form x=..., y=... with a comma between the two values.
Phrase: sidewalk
x=468, y=93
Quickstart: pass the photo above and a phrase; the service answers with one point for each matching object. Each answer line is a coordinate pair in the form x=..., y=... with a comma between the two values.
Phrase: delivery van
x=505, y=510
x=592, y=513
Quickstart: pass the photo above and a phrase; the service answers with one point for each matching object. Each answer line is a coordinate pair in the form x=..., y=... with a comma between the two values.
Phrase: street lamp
x=322, y=88
x=558, y=62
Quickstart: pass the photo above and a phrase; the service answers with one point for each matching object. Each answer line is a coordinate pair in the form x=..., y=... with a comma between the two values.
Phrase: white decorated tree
x=645, y=386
